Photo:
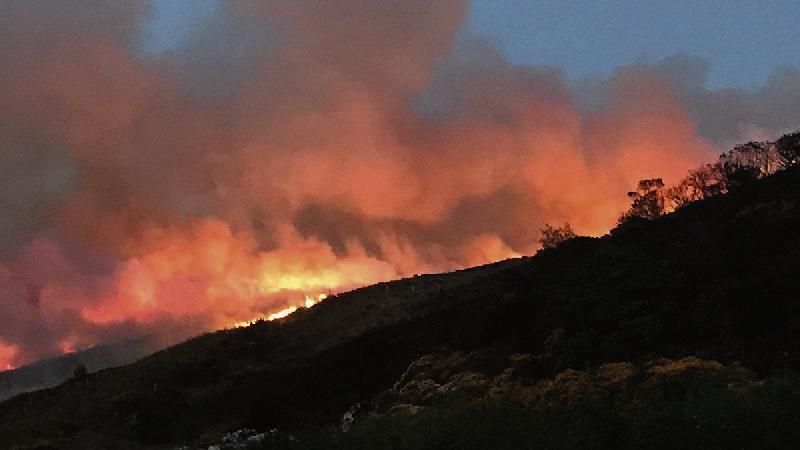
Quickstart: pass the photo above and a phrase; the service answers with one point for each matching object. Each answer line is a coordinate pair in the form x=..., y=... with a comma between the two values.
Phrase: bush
x=552, y=236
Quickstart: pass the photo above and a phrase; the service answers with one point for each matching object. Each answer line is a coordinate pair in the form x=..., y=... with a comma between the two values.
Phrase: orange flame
x=282, y=313
x=211, y=271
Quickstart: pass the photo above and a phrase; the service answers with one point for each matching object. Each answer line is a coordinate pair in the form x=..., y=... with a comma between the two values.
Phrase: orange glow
x=211, y=271
x=69, y=345
x=280, y=314
x=7, y=354
x=175, y=207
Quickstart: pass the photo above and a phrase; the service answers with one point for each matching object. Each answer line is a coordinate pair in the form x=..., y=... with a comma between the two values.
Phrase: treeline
x=740, y=166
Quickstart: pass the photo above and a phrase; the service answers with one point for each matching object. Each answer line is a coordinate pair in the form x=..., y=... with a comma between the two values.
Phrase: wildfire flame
x=309, y=302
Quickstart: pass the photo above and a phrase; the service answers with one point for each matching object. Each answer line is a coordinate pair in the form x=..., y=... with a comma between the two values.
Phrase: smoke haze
x=292, y=148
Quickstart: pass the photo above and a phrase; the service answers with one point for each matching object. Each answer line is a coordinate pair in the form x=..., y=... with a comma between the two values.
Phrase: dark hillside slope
x=53, y=371
x=717, y=280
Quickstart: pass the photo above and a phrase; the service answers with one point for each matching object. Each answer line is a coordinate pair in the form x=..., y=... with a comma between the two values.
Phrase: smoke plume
x=292, y=148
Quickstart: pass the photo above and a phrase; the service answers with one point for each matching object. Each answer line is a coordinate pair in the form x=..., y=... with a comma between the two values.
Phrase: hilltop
x=647, y=336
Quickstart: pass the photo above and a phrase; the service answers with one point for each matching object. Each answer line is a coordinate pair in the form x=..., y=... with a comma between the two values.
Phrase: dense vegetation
x=715, y=281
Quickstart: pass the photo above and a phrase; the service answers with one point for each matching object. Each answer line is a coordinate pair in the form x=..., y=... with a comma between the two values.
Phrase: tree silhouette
x=552, y=236
x=748, y=162
x=648, y=201
x=737, y=167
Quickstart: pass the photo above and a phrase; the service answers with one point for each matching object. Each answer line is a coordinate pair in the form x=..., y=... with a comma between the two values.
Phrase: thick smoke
x=291, y=148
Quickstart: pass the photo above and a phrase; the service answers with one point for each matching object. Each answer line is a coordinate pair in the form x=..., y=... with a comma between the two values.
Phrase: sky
x=744, y=40
x=172, y=22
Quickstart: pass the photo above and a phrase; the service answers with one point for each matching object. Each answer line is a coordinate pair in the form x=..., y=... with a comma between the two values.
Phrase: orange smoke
x=207, y=270
x=341, y=144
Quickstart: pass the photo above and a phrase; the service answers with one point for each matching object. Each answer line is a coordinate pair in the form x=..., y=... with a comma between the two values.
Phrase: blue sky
x=744, y=39
x=174, y=20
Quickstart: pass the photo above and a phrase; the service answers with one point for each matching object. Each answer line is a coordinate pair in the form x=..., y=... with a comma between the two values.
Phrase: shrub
x=552, y=236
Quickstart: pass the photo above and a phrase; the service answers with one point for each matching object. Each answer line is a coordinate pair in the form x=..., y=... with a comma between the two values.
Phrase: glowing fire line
x=282, y=313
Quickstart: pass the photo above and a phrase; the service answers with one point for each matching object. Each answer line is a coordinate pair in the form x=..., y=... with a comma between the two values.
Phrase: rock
x=419, y=392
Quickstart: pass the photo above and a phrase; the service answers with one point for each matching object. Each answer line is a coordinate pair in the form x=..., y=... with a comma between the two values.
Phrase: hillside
x=706, y=296
x=54, y=371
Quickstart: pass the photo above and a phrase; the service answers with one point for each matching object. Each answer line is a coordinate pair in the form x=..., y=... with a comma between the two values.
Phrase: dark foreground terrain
x=680, y=332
